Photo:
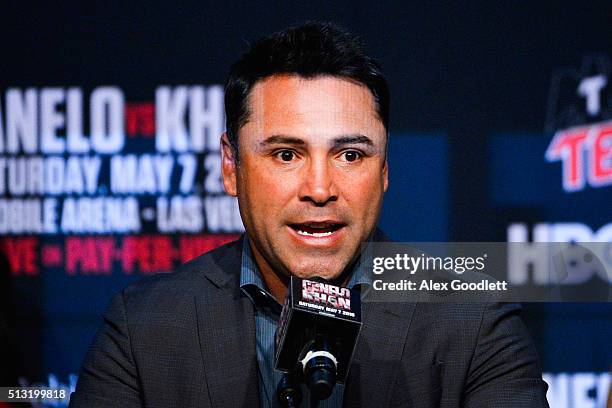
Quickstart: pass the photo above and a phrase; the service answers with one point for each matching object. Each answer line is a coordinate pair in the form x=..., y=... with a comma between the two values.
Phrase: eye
x=351, y=155
x=285, y=155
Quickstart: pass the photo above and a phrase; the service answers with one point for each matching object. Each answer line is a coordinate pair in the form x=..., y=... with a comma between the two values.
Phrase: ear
x=228, y=166
x=385, y=176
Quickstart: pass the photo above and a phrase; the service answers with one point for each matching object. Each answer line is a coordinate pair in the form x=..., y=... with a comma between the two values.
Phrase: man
x=305, y=153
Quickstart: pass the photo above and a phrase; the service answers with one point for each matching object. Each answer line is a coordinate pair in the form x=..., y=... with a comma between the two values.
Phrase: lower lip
x=327, y=241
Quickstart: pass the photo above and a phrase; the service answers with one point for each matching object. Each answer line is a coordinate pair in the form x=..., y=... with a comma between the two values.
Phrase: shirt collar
x=249, y=272
x=253, y=285
x=251, y=281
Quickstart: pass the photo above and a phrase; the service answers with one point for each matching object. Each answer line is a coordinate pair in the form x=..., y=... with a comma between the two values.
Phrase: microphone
x=316, y=337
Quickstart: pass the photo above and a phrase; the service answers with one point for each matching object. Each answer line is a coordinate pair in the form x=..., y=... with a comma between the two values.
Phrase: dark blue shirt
x=267, y=313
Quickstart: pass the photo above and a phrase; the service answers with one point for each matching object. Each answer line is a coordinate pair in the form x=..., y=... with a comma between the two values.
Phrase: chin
x=327, y=272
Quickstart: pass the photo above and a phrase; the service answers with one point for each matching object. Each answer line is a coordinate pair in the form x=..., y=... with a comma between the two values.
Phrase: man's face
x=311, y=174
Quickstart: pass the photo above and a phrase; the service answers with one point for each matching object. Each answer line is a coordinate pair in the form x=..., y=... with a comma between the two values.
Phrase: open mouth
x=316, y=229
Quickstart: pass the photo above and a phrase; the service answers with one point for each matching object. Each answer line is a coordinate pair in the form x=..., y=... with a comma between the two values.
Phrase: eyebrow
x=352, y=139
x=282, y=139
x=336, y=142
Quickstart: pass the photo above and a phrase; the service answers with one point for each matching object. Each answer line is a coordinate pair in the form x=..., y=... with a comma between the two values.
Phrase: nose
x=318, y=185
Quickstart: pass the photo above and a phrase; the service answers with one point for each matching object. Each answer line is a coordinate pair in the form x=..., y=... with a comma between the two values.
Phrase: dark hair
x=309, y=50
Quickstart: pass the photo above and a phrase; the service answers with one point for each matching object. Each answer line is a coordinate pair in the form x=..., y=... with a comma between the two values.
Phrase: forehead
x=314, y=109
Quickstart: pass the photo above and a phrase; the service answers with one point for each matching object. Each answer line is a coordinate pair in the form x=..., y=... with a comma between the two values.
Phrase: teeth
x=315, y=234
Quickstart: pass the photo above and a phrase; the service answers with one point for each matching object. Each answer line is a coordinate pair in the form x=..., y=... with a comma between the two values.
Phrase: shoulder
x=200, y=276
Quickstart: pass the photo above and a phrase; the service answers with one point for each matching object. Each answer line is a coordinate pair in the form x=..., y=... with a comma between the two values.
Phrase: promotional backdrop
x=501, y=130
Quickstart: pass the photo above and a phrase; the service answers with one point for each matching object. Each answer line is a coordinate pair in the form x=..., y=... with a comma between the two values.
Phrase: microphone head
x=288, y=392
x=321, y=383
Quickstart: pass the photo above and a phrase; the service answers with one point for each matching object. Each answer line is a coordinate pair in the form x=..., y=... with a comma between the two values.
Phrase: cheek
x=364, y=194
x=265, y=193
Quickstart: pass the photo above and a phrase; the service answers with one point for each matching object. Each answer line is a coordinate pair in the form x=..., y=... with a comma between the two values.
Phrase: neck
x=276, y=283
